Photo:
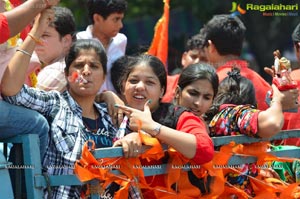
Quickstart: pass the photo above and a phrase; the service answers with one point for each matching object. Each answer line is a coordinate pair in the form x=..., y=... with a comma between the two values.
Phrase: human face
x=87, y=64
x=192, y=57
x=142, y=85
x=52, y=48
x=110, y=26
x=197, y=96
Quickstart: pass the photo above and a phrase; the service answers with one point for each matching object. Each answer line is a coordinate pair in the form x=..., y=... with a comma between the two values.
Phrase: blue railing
x=36, y=182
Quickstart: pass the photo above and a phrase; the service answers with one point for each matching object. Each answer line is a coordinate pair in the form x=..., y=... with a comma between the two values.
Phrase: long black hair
x=156, y=65
x=86, y=44
x=199, y=71
x=234, y=89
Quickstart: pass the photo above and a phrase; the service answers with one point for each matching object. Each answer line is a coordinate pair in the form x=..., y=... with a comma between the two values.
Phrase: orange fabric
x=176, y=176
x=159, y=45
x=171, y=88
x=175, y=164
x=230, y=191
x=262, y=186
x=187, y=122
x=88, y=168
x=292, y=191
x=217, y=185
x=268, y=185
x=155, y=152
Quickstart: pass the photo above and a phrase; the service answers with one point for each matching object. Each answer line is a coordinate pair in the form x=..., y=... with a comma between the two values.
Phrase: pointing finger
x=124, y=108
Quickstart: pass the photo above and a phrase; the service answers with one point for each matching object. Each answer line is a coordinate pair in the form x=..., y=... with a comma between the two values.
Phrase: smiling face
x=197, y=96
x=141, y=85
x=88, y=65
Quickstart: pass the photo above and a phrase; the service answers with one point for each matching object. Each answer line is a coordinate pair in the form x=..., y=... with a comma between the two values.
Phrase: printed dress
x=236, y=120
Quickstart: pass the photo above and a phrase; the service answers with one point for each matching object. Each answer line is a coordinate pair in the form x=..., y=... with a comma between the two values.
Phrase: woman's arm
x=185, y=143
x=110, y=98
x=22, y=15
x=15, y=74
x=270, y=121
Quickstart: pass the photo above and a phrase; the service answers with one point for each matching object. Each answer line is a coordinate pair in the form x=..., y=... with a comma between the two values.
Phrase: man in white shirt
x=106, y=17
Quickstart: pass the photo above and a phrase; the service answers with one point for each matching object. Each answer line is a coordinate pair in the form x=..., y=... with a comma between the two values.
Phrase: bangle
x=156, y=130
x=24, y=52
x=36, y=40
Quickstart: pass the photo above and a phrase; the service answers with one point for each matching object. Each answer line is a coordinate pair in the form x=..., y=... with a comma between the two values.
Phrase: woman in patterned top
x=234, y=112
x=73, y=115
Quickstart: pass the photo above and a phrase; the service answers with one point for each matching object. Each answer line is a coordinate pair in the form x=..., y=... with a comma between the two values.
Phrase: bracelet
x=156, y=130
x=36, y=40
x=24, y=52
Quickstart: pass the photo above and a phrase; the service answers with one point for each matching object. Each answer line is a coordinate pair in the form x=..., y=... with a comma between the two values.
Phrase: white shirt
x=116, y=49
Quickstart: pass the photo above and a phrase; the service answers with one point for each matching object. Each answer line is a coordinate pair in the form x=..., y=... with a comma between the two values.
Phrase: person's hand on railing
x=131, y=144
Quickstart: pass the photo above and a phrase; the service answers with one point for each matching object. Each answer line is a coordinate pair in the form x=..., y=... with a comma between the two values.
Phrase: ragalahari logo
x=236, y=9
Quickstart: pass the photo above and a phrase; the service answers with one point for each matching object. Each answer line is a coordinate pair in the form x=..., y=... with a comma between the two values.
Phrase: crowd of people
x=83, y=86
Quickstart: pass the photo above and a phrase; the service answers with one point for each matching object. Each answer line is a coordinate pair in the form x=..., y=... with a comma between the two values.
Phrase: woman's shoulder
x=233, y=107
x=168, y=114
x=102, y=107
x=169, y=109
x=187, y=116
x=230, y=113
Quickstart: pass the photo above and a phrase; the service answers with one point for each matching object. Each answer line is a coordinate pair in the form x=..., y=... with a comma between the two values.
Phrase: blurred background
x=264, y=33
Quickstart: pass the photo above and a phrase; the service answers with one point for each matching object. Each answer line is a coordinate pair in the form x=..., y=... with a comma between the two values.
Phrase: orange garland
x=85, y=170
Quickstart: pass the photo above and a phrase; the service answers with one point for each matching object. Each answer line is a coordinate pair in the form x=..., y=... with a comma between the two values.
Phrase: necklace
x=91, y=124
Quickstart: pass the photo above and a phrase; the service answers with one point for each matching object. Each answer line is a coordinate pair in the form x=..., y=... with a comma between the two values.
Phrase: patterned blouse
x=235, y=120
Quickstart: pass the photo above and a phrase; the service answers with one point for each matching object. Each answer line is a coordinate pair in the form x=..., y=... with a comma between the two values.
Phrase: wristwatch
x=156, y=130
